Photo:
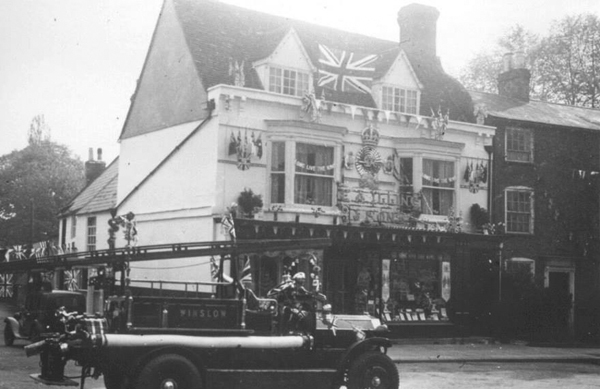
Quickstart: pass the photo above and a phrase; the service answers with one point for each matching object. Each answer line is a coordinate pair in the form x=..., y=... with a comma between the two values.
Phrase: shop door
x=560, y=283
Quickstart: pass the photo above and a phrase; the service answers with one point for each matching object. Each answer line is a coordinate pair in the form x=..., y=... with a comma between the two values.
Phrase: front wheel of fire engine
x=169, y=371
x=9, y=336
x=373, y=370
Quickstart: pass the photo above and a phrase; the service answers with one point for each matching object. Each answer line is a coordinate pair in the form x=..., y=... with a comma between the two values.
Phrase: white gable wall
x=289, y=54
x=141, y=154
x=399, y=75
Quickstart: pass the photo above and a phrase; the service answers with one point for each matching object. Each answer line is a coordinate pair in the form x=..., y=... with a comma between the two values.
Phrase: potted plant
x=249, y=203
x=479, y=217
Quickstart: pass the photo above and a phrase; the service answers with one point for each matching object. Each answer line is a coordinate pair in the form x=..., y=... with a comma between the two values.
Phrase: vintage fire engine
x=233, y=339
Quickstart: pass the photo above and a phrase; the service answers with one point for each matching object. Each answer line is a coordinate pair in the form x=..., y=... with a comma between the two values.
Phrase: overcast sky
x=77, y=62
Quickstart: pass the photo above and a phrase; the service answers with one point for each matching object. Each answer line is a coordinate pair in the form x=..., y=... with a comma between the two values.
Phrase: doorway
x=560, y=283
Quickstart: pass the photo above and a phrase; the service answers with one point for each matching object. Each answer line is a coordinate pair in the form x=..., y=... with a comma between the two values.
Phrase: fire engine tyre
x=9, y=336
x=169, y=371
x=373, y=370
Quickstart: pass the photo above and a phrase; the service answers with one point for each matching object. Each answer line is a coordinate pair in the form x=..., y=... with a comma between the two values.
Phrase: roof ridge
x=65, y=208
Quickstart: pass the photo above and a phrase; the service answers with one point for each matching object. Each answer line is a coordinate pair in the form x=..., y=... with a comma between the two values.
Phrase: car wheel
x=9, y=336
x=373, y=370
x=169, y=371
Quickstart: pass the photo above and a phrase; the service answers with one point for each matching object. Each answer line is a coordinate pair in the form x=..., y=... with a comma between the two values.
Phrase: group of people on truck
x=298, y=305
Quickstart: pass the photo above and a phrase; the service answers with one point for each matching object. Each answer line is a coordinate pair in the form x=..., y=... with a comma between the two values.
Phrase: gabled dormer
x=399, y=89
x=288, y=69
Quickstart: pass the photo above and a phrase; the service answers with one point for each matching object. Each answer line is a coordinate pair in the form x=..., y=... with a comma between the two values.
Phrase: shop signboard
x=378, y=207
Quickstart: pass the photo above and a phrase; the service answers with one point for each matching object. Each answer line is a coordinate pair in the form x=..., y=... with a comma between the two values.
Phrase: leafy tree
x=36, y=181
x=481, y=73
x=569, y=61
x=564, y=65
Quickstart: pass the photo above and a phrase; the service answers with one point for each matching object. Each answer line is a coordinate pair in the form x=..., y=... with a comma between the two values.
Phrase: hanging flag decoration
x=6, y=285
x=475, y=175
x=217, y=274
x=315, y=169
x=16, y=252
x=345, y=71
x=246, y=276
x=236, y=72
x=228, y=226
x=446, y=287
x=72, y=280
x=440, y=122
x=312, y=107
x=245, y=149
x=232, y=145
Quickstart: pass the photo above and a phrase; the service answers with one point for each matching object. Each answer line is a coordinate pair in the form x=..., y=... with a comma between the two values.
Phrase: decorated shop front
x=419, y=282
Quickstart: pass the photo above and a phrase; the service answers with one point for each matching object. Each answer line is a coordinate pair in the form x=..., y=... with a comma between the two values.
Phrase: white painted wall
x=141, y=154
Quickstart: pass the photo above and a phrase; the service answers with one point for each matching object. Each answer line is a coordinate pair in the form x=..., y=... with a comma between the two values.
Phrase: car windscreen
x=71, y=303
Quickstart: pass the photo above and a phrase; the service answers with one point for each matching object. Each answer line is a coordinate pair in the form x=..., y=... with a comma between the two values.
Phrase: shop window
x=312, y=173
x=402, y=286
x=438, y=187
x=398, y=99
x=519, y=211
x=288, y=82
x=91, y=233
x=520, y=266
x=519, y=144
x=419, y=287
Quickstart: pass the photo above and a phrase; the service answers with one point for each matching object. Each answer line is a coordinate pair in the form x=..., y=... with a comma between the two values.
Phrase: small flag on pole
x=246, y=271
x=216, y=273
x=228, y=226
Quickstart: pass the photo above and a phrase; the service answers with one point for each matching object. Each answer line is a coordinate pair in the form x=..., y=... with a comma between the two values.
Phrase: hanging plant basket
x=249, y=203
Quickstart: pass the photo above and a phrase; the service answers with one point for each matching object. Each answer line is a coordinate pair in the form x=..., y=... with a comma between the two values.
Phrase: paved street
x=467, y=365
x=523, y=375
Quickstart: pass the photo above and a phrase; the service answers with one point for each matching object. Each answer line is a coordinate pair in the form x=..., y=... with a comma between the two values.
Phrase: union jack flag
x=345, y=71
x=215, y=272
x=246, y=270
x=6, y=285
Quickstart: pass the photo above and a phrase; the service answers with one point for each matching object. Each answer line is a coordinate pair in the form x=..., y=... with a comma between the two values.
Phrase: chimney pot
x=507, y=62
x=519, y=60
x=90, y=154
x=99, y=154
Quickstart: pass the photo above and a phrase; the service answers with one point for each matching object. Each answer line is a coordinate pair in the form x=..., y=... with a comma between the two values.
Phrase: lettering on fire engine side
x=203, y=313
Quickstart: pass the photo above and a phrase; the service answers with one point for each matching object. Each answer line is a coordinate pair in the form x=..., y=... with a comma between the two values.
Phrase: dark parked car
x=39, y=314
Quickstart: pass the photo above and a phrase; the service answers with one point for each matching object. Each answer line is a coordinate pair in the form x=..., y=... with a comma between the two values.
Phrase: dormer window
x=288, y=82
x=399, y=100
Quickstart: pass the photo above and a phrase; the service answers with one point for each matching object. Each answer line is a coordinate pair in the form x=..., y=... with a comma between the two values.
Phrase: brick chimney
x=418, y=29
x=93, y=168
x=513, y=82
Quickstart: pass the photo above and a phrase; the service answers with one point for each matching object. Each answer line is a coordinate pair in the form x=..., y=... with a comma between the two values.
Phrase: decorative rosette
x=368, y=161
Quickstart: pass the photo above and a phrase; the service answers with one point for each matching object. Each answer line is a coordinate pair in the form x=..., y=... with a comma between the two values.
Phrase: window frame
x=301, y=80
x=91, y=238
x=452, y=189
x=528, y=146
x=290, y=173
x=529, y=191
x=400, y=99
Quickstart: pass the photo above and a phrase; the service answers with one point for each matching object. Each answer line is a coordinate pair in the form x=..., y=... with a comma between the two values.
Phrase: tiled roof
x=99, y=195
x=217, y=33
x=538, y=111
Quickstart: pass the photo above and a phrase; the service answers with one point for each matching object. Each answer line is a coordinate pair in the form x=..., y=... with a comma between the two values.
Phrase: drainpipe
x=490, y=150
